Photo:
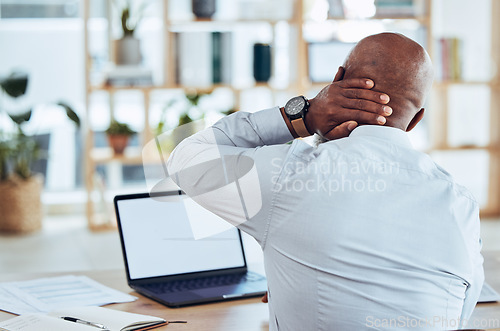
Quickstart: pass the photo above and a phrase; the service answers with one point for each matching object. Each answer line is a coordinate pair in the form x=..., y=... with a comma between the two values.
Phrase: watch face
x=295, y=106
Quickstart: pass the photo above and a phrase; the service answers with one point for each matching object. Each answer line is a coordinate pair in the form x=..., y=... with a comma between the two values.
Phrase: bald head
x=400, y=67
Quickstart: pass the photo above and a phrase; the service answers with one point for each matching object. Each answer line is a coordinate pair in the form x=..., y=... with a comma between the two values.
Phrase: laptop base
x=251, y=285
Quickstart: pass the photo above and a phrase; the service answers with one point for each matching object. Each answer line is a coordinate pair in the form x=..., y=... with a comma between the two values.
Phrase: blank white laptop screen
x=159, y=241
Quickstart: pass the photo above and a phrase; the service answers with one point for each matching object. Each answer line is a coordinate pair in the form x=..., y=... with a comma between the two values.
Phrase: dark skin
x=400, y=67
x=394, y=64
x=338, y=107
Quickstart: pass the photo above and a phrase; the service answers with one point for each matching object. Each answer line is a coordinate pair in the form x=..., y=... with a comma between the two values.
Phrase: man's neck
x=399, y=126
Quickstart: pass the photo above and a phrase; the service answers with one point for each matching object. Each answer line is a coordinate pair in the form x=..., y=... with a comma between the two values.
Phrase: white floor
x=65, y=244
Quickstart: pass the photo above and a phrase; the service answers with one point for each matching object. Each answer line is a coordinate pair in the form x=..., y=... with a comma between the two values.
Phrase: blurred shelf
x=446, y=83
x=122, y=88
x=319, y=84
x=207, y=89
x=111, y=225
x=421, y=19
x=226, y=21
x=490, y=148
x=102, y=155
x=424, y=20
x=438, y=84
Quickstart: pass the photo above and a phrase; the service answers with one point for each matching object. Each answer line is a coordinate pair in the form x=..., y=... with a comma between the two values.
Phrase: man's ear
x=339, y=75
x=418, y=116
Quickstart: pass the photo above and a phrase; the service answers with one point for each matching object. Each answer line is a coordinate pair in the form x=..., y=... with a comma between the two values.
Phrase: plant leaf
x=229, y=111
x=70, y=113
x=15, y=84
x=184, y=119
x=21, y=118
x=194, y=98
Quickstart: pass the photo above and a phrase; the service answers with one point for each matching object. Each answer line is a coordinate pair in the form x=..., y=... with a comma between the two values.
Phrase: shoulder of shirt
x=422, y=162
x=458, y=188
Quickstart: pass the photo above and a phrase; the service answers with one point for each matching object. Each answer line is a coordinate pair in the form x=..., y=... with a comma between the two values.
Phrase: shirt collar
x=393, y=135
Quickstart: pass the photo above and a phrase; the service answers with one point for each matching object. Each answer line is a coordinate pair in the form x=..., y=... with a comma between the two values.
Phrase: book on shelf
x=399, y=8
x=126, y=75
x=203, y=58
x=336, y=9
x=449, y=59
x=83, y=319
x=324, y=59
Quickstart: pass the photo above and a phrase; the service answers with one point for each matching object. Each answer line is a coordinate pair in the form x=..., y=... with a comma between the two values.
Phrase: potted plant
x=118, y=136
x=20, y=202
x=128, y=47
x=190, y=119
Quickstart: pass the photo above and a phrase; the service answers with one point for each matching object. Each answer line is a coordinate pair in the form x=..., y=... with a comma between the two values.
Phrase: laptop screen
x=158, y=238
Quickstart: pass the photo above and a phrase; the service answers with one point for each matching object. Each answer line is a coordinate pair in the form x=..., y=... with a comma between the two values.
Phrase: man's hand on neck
x=342, y=105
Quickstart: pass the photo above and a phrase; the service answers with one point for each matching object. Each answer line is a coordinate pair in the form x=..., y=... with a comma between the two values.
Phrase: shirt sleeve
x=231, y=167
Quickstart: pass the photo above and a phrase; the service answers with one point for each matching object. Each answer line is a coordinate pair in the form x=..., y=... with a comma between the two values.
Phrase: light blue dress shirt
x=358, y=233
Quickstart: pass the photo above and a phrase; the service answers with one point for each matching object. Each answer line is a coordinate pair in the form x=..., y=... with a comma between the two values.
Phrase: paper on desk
x=46, y=294
x=488, y=294
x=9, y=302
x=39, y=322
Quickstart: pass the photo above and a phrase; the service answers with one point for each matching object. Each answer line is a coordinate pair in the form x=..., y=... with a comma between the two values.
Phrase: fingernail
x=381, y=120
x=351, y=126
x=384, y=97
x=369, y=82
x=387, y=110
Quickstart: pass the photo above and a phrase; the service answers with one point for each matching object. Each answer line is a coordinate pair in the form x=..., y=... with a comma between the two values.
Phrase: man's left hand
x=341, y=106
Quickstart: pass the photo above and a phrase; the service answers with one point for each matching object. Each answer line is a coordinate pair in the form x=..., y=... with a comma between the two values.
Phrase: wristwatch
x=296, y=109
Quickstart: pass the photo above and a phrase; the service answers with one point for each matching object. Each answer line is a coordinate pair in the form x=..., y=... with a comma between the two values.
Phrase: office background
x=64, y=61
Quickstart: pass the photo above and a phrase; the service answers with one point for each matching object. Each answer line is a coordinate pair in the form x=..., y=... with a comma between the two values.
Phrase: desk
x=485, y=312
x=246, y=314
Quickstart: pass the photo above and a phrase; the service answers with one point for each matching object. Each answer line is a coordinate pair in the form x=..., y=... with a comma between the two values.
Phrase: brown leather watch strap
x=300, y=127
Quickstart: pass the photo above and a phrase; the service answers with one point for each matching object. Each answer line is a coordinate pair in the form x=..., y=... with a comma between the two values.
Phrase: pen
x=77, y=320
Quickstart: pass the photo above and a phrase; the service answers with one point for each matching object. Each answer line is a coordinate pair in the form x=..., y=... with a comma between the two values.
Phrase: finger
x=368, y=106
x=360, y=116
x=264, y=298
x=377, y=97
x=339, y=75
x=357, y=82
x=341, y=131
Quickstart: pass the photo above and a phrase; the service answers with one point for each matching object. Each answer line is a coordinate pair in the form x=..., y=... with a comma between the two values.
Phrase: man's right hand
x=341, y=106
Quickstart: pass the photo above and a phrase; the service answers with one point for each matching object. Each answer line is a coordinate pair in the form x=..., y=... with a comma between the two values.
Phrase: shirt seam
x=319, y=314
x=225, y=134
x=448, y=299
x=410, y=169
x=274, y=196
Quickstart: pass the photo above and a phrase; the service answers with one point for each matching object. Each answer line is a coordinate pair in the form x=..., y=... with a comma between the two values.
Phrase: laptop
x=165, y=262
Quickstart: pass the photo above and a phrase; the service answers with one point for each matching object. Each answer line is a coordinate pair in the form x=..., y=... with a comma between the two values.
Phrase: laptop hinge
x=241, y=270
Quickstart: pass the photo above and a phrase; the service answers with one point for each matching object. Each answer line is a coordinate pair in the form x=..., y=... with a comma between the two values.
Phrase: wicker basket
x=20, y=204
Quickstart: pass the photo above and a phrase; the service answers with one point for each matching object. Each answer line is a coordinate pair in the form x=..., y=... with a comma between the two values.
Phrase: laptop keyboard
x=204, y=282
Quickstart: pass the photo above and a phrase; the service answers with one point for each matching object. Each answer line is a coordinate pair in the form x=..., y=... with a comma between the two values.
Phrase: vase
x=20, y=204
x=203, y=8
x=261, y=62
x=118, y=143
x=128, y=51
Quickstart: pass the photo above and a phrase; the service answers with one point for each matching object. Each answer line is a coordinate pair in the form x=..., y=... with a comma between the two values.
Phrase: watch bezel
x=299, y=114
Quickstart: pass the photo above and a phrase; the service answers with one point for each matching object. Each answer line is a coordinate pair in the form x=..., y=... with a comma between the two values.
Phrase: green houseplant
x=20, y=203
x=118, y=136
x=190, y=119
